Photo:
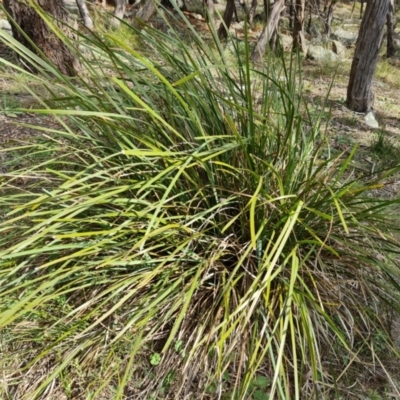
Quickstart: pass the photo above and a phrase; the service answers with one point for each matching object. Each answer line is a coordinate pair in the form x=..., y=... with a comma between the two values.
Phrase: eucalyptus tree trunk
x=268, y=31
x=252, y=11
x=359, y=93
x=148, y=10
x=291, y=13
x=390, y=50
x=119, y=12
x=46, y=42
x=309, y=23
x=361, y=8
x=329, y=18
x=299, y=41
x=226, y=19
x=209, y=4
x=83, y=10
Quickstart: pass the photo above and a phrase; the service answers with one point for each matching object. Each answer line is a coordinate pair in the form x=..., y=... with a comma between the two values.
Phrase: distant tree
x=390, y=50
x=359, y=92
x=209, y=4
x=269, y=29
x=83, y=10
x=32, y=24
x=329, y=17
x=299, y=41
x=252, y=11
x=226, y=19
x=119, y=12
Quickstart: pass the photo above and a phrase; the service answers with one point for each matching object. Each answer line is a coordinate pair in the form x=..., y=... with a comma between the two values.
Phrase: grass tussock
x=181, y=235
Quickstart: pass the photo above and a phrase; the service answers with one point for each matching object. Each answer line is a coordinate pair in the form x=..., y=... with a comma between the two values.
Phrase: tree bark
x=269, y=28
x=226, y=19
x=148, y=10
x=209, y=4
x=361, y=8
x=329, y=18
x=359, y=93
x=41, y=34
x=291, y=13
x=390, y=50
x=119, y=12
x=252, y=11
x=299, y=41
x=83, y=10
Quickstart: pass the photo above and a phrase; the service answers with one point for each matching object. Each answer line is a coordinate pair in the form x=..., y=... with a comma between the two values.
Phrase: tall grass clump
x=180, y=235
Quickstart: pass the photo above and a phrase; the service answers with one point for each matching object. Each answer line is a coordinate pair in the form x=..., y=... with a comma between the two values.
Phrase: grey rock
x=286, y=41
x=338, y=48
x=194, y=6
x=319, y=53
x=352, y=25
x=5, y=25
x=396, y=40
x=370, y=120
x=314, y=31
x=344, y=36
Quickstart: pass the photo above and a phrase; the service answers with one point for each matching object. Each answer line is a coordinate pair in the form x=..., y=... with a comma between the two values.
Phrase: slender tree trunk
x=148, y=10
x=252, y=11
x=83, y=10
x=390, y=50
x=245, y=9
x=361, y=8
x=267, y=9
x=299, y=41
x=209, y=4
x=38, y=31
x=329, y=18
x=119, y=12
x=309, y=17
x=291, y=13
x=352, y=10
x=326, y=2
x=226, y=19
x=268, y=30
x=273, y=41
x=359, y=93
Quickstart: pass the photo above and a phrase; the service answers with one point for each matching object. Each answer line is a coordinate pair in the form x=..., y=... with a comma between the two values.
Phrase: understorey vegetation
x=184, y=231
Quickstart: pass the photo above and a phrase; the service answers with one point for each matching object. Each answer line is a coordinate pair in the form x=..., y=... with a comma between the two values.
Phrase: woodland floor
x=344, y=127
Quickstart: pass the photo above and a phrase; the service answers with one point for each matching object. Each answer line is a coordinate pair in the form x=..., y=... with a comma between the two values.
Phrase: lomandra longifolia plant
x=180, y=232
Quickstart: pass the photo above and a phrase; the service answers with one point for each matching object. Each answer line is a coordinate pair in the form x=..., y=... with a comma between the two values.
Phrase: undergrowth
x=186, y=235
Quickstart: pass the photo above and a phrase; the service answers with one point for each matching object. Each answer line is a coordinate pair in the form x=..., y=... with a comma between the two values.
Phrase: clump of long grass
x=181, y=234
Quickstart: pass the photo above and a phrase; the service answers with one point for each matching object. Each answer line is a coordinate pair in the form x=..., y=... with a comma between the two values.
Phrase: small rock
x=286, y=41
x=314, y=31
x=194, y=6
x=370, y=120
x=319, y=53
x=343, y=36
x=5, y=25
x=338, y=48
